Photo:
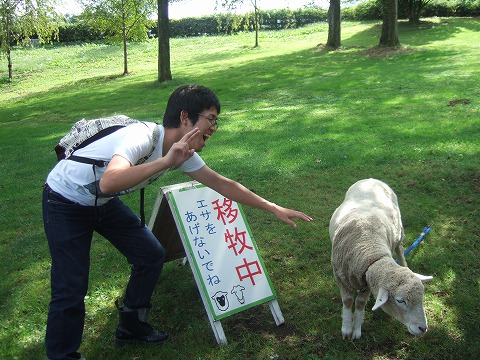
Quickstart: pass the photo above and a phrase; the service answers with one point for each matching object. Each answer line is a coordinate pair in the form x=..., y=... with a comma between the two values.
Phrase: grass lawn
x=298, y=126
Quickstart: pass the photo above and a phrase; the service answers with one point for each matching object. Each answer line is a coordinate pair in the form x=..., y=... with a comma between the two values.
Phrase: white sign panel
x=224, y=253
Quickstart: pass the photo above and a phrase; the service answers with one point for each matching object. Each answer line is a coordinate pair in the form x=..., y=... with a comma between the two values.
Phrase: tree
x=164, y=72
x=254, y=3
x=232, y=5
x=389, y=36
x=334, y=29
x=120, y=20
x=413, y=8
x=163, y=26
x=22, y=19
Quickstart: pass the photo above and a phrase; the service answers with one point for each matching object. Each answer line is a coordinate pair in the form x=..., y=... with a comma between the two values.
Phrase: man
x=79, y=200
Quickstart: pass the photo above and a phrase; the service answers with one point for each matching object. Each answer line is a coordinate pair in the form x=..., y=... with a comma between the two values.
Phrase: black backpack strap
x=94, y=163
x=142, y=206
x=102, y=163
x=102, y=133
x=84, y=160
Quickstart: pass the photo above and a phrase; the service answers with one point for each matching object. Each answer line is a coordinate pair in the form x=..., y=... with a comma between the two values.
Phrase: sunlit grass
x=298, y=126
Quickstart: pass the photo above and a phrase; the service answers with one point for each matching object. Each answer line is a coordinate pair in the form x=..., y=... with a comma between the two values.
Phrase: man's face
x=207, y=124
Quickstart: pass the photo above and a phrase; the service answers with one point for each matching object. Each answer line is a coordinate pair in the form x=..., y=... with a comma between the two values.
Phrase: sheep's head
x=401, y=296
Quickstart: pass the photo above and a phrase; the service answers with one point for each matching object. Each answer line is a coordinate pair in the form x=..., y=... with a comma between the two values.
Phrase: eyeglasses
x=213, y=122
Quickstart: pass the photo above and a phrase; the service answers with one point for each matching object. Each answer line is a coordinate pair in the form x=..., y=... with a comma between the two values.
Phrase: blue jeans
x=69, y=229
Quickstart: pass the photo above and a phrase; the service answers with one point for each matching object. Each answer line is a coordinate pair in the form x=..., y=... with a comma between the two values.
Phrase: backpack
x=85, y=132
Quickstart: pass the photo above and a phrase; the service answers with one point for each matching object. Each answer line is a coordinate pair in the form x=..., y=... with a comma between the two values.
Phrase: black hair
x=190, y=98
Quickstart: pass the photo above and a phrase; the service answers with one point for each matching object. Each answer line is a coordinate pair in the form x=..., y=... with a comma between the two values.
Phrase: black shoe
x=133, y=327
x=123, y=336
x=75, y=356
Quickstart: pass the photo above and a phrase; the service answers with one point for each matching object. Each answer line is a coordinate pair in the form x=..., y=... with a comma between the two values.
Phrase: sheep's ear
x=423, y=278
x=382, y=298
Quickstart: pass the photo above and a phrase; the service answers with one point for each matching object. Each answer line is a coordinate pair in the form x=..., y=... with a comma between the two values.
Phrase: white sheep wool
x=365, y=230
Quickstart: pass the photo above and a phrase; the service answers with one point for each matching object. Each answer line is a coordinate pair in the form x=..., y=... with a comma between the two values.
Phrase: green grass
x=298, y=125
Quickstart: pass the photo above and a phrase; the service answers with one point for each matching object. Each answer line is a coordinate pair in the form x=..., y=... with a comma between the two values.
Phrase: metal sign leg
x=276, y=312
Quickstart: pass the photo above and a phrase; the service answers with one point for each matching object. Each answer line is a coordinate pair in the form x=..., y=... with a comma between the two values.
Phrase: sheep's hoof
x=356, y=335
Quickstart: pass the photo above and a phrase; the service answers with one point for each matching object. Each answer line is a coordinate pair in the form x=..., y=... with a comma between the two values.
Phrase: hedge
x=274, y=19
x=371, y=9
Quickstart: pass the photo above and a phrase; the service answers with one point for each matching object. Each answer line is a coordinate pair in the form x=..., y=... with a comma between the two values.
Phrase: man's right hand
x=181, y=151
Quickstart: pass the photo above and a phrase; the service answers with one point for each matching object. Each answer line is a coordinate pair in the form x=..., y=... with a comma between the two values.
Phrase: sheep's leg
x=400, y=255
x=359, y=315
x=347, y=321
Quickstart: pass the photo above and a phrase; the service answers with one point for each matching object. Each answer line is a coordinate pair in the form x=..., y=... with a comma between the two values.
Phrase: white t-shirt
x=78, y=182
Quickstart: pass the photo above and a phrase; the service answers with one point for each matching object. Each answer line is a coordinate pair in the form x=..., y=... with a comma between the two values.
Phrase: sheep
x=364, y=230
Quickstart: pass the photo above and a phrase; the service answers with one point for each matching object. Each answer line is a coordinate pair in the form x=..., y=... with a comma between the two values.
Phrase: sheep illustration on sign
x=238, y=292
x=221, y=300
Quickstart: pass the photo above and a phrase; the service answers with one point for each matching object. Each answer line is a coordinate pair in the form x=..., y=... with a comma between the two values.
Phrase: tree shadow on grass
x=304, y=138
x=412, y=34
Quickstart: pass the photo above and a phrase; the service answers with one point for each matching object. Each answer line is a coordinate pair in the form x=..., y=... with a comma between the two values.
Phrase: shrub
x=447, y=8
x=79, y=32
x=230, y=23
x=366, y=10
x=371, y=9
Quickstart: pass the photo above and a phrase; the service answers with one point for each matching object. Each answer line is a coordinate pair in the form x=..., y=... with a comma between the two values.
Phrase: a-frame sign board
x=193, y=221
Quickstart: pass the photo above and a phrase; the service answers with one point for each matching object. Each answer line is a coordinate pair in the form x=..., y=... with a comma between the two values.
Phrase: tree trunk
x=164, y=72
x=256, y=24
x=10, y=65
x=8, y=41
x=334, y=28
x=125, y=53
x=413, y=9
x=389, y=36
